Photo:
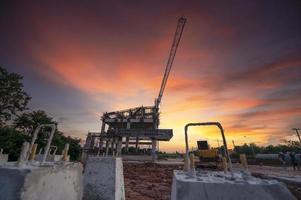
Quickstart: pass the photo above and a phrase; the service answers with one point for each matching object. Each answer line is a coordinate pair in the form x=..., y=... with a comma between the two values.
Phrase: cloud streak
x=238, y=63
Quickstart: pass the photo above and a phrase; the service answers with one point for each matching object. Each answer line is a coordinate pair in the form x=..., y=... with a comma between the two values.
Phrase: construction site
x=121, y=161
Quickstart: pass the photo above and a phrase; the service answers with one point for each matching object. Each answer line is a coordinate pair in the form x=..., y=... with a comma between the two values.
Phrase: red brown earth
x=148, y=181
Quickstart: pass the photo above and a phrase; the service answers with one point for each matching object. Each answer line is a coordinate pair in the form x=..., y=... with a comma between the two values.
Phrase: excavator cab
x=208, y=157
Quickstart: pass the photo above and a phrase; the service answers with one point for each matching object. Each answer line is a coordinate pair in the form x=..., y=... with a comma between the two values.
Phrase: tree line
x=18, y=123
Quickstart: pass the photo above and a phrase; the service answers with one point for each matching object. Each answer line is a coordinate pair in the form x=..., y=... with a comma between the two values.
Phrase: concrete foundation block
x=51, y=158
x=47, y=182
x=103, y=179
x=3, y=158
x=216, y=185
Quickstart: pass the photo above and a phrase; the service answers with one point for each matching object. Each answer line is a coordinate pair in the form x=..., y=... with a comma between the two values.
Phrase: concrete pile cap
x=218, y=185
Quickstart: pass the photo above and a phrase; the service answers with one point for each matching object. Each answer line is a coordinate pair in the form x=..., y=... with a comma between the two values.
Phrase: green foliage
x=13, y=100
x=270, y=149
x=28, y=122
x=11, y=142
x=12, y=97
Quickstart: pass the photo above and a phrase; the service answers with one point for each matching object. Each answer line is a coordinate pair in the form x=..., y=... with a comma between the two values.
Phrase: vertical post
x=137, y=143
x=186, y=163
x=24, y=153
x=33, y=152
x=187, y=147
x=34, y=137
x=154, y=147
x=100, y=146
x=103, y=126
x=66, y=150
x=112, y=146
x=127, y=140
x=48, y=143
x=226, y=149
x=243, y=161
x=192, y=165
x=119, y=147
x=107, y=146
x=225, y=166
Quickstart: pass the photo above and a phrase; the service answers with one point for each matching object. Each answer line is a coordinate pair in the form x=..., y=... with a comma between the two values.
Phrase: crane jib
x=172, y=54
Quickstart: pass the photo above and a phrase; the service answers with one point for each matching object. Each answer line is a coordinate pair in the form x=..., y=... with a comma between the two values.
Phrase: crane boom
x=172, y=54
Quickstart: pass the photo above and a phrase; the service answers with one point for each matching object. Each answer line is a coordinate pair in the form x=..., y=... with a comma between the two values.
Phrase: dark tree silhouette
x=12, y=97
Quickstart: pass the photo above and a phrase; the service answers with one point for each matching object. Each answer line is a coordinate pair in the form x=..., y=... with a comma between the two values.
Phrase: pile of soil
x=148, y=181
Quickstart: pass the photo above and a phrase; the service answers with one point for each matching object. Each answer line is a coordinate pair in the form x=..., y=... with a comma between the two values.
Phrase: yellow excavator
x=208, y=157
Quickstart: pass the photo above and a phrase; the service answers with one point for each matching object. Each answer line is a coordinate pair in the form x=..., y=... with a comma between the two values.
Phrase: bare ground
x=148, y=181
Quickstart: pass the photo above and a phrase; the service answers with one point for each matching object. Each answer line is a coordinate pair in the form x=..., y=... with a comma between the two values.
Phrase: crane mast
x=172, y=54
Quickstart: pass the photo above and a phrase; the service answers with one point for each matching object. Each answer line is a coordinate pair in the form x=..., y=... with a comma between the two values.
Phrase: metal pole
x=48, y=142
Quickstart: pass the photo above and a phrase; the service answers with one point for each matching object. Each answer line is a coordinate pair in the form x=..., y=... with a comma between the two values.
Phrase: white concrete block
x=216, y=185
x=3, y=158
x=51, y=158
x=47, y=182
x=103, y=179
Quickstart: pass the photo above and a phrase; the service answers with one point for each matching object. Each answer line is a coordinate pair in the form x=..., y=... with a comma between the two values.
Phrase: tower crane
x=172, y=54
x=135, y=126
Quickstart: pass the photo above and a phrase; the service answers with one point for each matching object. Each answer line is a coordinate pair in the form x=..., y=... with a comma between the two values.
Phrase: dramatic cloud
x=238, y=63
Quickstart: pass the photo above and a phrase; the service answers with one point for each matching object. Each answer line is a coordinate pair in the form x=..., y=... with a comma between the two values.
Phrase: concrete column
x=112, y=145
x=24, y=152
x=103, y=127
x=137, y=143
x=154, y=147
x=92, y=142
x=128, y=126
x=119, y=147
x=127, y=140
x=88, y=141
x=107, y=146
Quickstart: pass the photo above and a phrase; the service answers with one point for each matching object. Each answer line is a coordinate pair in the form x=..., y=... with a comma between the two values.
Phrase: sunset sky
x=239, y=63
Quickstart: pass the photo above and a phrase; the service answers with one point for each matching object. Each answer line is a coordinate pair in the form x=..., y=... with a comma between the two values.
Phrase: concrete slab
x=103, y=179
x=210, y=185
x=47, y=182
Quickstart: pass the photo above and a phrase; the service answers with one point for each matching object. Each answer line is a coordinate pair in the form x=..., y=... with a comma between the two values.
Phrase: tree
x=28, y=122
x=11, y=142
x=12, y=97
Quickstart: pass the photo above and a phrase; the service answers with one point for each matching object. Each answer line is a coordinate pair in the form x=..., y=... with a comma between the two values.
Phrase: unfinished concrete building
x=134, y=126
